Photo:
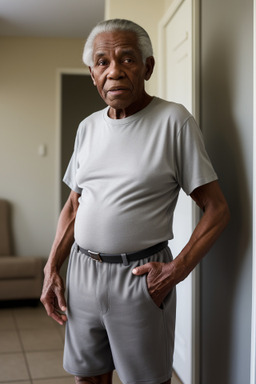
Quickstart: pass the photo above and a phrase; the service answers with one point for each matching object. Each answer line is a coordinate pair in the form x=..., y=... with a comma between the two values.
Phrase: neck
x=122, y=113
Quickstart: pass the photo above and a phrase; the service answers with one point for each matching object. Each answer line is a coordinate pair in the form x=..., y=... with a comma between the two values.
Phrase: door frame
x=59, y=73
x=195, y=96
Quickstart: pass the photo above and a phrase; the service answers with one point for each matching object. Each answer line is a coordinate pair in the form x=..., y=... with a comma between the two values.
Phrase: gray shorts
x=114, y=324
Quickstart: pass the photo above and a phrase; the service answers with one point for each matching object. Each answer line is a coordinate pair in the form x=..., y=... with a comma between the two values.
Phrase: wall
x=28, y=118
x=227, y=123
x=146, y=13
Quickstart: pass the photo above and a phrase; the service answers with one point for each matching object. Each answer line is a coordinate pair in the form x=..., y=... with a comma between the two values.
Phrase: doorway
x=79, y=99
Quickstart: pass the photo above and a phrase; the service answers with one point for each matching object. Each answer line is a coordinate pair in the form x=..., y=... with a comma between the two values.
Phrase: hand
x=158, y=279
x=53, y=297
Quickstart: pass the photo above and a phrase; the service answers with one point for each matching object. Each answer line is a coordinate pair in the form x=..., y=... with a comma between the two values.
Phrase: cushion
x=19, y=267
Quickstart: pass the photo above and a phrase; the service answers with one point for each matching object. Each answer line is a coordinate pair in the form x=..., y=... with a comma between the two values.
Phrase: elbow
x=73, y=202
x=219, y=213
x=223, y=215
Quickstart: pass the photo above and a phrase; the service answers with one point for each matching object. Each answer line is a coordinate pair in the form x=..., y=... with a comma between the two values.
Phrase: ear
x=92, y=75
x=150, y=63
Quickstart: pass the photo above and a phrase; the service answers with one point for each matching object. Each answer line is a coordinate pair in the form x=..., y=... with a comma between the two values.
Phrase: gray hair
x=144, y=42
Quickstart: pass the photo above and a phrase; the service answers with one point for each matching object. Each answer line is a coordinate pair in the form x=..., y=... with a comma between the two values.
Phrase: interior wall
x=28, y=119
x=227, y=123
x=146, y=13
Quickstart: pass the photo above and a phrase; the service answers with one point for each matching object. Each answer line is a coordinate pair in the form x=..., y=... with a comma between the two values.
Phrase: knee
x=101, y=379
x=85, y=380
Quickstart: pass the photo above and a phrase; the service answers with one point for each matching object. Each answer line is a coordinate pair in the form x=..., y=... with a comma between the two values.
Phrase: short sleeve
x=71, y=171
x=194, y=167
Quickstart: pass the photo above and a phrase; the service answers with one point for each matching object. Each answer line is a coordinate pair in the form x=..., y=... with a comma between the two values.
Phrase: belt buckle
x=95, y=256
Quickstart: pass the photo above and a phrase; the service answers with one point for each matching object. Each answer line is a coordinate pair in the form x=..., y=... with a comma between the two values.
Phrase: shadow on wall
x=222, y=272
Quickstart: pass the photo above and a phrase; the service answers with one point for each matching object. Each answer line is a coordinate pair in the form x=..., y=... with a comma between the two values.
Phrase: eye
x=128, y=60
x=102, y=62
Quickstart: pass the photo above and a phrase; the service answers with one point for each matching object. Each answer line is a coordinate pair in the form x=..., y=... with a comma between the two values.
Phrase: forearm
x=64, y=234
x=204, y=236
x=52, y=295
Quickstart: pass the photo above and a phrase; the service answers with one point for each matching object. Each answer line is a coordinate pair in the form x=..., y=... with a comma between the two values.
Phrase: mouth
x=117, y=90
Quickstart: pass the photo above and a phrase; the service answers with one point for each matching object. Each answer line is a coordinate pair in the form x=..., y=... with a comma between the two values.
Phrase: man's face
x=119, y=72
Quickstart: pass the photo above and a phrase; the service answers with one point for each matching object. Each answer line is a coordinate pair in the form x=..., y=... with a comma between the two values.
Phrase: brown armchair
x=20, y=277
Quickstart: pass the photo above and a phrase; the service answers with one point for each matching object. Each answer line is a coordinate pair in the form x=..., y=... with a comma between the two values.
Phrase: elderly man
x=129, y=163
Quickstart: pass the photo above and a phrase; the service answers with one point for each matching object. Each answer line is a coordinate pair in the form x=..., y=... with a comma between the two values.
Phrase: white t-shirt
x=129, y=172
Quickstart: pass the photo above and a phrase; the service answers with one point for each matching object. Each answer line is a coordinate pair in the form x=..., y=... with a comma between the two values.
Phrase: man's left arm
x=163, y=277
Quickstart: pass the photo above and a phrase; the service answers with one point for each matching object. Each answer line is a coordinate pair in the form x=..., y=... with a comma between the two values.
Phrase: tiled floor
x=31, y=348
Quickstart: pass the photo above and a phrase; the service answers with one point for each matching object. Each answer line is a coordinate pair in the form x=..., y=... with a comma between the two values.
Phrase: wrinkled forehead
x=108, y=42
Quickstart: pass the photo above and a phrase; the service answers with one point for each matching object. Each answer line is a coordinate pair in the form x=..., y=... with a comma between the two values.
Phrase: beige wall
x=167, y=3
x=147, y=13
x=28, y=118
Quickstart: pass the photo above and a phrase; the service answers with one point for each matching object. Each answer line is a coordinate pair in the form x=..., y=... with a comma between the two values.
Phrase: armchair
x=20, y=277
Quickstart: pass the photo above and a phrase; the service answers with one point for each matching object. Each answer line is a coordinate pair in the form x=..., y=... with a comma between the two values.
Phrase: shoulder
x=171, y=113
x=94, y=117
x=90, y=122
x=176, y=112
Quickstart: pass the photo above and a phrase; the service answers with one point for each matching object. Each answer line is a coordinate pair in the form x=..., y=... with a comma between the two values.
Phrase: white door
x=177, y=52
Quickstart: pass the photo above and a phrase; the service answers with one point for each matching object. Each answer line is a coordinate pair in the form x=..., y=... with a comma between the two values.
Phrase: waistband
x=124, y=258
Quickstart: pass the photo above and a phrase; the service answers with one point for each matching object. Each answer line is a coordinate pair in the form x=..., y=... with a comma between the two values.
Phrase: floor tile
x=175, y=379
x=33, y=318
x=116, y=379
x=16, y=382
x=6, y=320
x=9, y=342
x=41, y=339
x=44, y=365
x=62, y=331
x=13, y=367
x=66, y=380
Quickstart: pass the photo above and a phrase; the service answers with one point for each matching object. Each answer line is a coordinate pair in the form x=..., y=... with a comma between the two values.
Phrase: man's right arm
x=53, y=289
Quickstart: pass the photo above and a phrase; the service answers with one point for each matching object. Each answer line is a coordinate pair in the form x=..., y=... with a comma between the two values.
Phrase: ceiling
x=50, y=18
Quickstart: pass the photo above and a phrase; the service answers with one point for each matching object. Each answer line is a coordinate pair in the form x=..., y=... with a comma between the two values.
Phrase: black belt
x=124, y=258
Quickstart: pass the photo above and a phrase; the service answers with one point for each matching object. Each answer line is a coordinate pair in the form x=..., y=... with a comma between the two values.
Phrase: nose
x=115, y=70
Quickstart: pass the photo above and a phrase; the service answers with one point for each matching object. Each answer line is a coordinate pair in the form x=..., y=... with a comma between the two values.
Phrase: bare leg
x=101, y=379
x=106, y=378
